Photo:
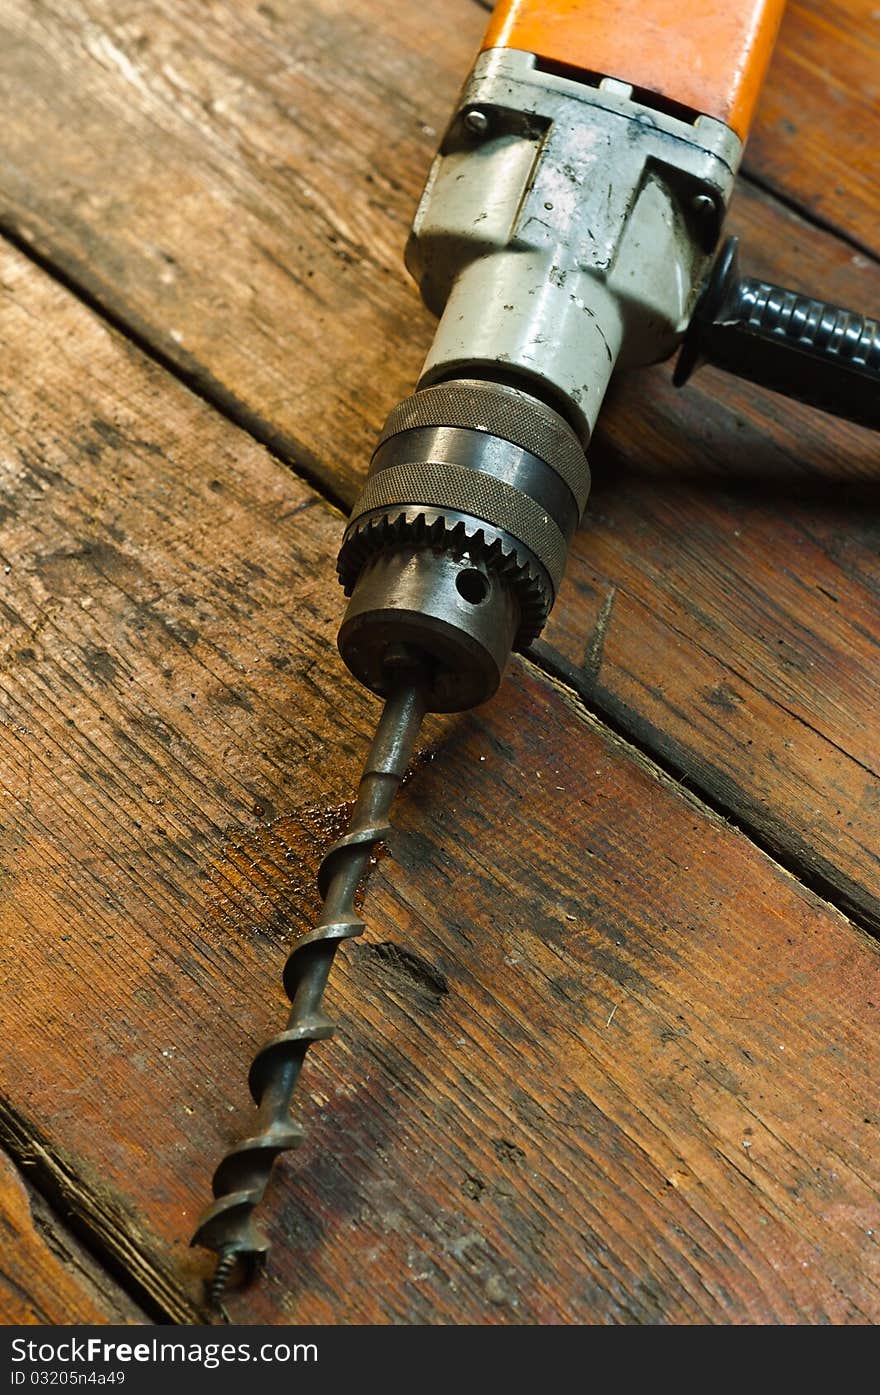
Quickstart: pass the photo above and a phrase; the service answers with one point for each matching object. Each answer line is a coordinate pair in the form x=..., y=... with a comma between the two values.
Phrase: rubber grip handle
x=817, y=353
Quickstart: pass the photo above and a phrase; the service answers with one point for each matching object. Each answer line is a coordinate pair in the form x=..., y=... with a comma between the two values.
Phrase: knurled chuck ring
x=438, y=481
x=499, y=409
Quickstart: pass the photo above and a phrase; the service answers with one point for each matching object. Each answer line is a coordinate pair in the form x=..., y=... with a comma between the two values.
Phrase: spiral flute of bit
x=243, y=1174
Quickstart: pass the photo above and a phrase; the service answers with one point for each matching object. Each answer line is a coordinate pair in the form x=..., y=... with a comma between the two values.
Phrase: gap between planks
x=195, y=377
x=105, y=1230
x=108, y=1238
x=298, y=460
x=815, y=220
x=46, y=1275
x=575, y=683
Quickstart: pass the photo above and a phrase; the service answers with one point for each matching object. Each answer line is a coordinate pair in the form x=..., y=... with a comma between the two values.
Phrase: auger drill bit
x=567, y=228
x=240, y=1181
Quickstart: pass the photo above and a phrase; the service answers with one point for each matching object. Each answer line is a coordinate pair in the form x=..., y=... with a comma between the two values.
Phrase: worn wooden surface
x=723, y=596
x=816, y=136
x=235, y=184
x=45, y=1275
x=608, y=1062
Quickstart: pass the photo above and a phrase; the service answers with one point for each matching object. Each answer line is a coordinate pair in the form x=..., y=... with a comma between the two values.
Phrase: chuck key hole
x=472, y=586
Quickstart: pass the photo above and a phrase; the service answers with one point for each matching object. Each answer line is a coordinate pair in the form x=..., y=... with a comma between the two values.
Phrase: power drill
x=569, y=227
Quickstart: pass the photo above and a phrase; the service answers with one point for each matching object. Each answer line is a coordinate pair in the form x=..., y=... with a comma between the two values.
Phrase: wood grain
x=45, y=1276
x=235, y=184
x=815, y=137
x=599, y=1061
x=721, y=600
x=273, y=155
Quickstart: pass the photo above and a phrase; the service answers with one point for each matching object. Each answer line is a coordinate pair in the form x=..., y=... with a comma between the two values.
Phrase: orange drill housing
x=705, y=56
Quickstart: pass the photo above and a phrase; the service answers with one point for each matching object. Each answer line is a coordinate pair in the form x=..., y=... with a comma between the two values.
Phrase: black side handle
x=819, y=354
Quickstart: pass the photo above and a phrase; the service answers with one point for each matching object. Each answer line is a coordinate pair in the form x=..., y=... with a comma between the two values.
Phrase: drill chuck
x=458, y=542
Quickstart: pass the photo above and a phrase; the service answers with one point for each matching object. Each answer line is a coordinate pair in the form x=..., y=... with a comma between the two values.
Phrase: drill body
x=567, y=225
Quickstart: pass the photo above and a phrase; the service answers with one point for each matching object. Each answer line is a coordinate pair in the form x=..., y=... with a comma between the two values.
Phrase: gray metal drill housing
x=565, y=230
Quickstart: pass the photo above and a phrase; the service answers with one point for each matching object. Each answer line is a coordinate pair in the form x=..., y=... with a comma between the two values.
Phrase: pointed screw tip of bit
x=220, y=1281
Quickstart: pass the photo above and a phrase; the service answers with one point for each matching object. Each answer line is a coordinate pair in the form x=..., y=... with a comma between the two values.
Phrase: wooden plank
x=45, y=1275
x=236, y=184
x=722, y=596
x=242, y=124
x=598, y=1061
x=815, y=137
